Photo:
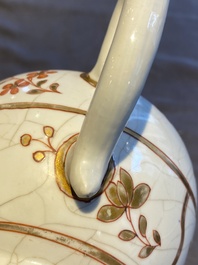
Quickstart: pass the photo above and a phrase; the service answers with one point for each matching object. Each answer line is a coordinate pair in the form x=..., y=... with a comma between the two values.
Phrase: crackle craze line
x=151, y=146
x=38, y=105
x=183, y=221
x=165, y=158
x=64, y=240
x=172, y=165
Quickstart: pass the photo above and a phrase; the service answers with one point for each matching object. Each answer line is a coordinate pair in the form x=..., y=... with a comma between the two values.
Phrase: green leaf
x=142, y=225
x=34, y=92
x=109, y=213
x=157, y=237
x=40, y=83
x=126, y=235
x=127, y=182
x=112, y=195
x=54, y=86
x=122, y=195
x=146, y=251
x=140, y=196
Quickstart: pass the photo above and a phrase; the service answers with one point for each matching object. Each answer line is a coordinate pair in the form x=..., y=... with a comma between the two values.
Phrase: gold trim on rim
x=88, y=79
x=60, y=171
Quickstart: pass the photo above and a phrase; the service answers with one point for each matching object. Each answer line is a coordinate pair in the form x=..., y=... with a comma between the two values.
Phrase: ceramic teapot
x=91, y=172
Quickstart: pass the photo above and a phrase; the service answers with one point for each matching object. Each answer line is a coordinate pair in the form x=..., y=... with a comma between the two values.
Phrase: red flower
x=39, y=75
x=14, y=88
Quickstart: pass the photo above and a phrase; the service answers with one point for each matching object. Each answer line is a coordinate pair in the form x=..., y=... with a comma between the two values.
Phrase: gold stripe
x=60, y=166
x=61, y=177
x=37, y=105
x=88, y=79
x=99, y=255
x=64, y=240
x=151, y=146
x=165, y=158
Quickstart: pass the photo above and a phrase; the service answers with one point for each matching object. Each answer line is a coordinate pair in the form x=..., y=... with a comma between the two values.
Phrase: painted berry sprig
x=40, y=155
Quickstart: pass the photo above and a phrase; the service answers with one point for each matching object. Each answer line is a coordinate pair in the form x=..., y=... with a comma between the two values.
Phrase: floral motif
x=123, y=198
x=30, y=79
x=13, y=88
x=39, y=156
x=39, y=75
x=60, y=158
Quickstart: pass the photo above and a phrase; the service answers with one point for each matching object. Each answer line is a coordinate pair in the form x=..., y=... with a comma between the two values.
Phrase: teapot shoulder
x=52, y=86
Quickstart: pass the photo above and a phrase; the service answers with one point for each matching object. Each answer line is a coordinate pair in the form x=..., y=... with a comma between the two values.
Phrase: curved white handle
x=123, y=76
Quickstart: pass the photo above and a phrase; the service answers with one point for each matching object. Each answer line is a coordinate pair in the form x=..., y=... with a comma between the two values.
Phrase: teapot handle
x=96, y=71
x=131, y=51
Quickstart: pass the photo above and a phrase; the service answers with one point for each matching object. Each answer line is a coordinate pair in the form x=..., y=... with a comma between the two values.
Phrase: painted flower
x=13, y=88
x=39, y=75
x=36, y=86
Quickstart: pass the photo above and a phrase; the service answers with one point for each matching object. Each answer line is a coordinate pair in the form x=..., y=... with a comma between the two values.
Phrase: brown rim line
x=183, y=221
x=64, y=240
x=38, y=105
x=151, y=146
x=166, y=160
x=88, y=79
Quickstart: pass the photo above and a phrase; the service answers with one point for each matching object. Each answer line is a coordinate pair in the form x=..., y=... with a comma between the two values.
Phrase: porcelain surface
x=95, y=175
x=145, y=212
x=137, y=28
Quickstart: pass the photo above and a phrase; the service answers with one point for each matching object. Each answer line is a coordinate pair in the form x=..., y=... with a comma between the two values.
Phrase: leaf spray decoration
x=40, y=155
x=123, y=198
x=33, y=83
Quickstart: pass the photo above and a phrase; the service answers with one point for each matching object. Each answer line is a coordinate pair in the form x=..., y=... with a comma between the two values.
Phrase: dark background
x=67, y=34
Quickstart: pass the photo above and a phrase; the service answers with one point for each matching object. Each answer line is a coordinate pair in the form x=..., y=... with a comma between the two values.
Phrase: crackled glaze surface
x=143, y=214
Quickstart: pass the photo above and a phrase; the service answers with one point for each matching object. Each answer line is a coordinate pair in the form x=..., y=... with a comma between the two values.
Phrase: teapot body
x=145, y=210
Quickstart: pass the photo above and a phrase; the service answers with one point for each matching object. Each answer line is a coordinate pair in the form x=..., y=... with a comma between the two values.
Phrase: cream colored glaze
x=41, y=224
x=41, y=114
